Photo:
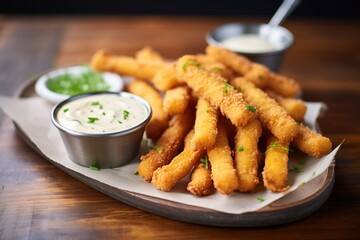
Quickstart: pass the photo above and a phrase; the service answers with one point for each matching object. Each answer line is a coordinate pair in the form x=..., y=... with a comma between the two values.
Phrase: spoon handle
x=283, y=12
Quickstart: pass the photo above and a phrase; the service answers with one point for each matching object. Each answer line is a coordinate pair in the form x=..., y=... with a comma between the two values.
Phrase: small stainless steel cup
x=104, y=150
x=279, y=36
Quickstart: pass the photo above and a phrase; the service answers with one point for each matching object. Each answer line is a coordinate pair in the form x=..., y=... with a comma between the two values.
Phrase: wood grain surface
x=40, y=201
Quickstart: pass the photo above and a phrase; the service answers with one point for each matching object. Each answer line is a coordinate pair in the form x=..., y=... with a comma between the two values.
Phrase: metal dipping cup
x=279, y=36
x=103, y=150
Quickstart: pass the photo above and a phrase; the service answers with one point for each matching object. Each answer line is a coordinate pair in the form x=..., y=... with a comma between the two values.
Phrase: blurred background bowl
x=278, y=37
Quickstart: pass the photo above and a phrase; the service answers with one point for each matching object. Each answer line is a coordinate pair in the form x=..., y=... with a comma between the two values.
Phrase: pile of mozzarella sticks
x=217, y=117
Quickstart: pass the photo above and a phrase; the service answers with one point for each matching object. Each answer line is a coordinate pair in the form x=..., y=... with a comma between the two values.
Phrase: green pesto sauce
x=70, y=84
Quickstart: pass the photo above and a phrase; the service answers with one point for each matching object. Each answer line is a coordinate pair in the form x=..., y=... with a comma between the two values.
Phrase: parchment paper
x=32, y=115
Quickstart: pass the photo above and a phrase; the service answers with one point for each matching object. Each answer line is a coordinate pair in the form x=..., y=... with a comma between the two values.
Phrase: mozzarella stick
x=238, y=63
x=258, y=75
x=270, y=113
x=246, y=155
x=282, y=85
x=166, y=79
x=149, y=54
x=168, y=145
x=166, y=177
x=222, y=167
x=296, y=108
x=201, y=183
x=205, y=125
x=275, y=172
x=311, y=142
x=159, y=119
x=176, y=100
x=124, y=65
x=215, y=89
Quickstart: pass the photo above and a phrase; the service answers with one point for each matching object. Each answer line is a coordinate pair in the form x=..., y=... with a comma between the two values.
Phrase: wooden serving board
x=294, y=206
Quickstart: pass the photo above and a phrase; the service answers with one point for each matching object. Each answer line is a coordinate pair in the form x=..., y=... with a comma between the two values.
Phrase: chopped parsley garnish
x=218, y=69
x=251, y=108
x=97, y=104
x=120, y=122
x=156, y=148
x=296, y=169
x=190, y=63
x=92, y=119
x=260, y=199
x=70, y=84
x=126, y=114
x=65, y=110
x=205, y=161
x=95, y=167
x=136, y=173
x=240, y=148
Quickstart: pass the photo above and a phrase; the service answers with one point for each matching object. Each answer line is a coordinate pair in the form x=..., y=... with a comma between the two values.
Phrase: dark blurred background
x=307, y=8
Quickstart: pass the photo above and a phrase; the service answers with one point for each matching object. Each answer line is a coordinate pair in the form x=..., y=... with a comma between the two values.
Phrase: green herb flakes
x=240, y=148
x=190, y=63
x=92, y=119
x=250, y=108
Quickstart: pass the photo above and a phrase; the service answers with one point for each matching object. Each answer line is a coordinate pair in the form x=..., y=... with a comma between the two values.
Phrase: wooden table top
x=40, y=201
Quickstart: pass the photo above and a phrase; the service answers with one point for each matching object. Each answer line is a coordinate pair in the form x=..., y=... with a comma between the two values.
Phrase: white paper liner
x=32, y=115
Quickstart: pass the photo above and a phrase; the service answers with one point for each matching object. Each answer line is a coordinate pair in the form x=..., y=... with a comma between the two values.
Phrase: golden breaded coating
x=124, y=65
x=258, y=75
x=201, y=183
x=270, y=113
x=205, y=125
x=296, y=108
x=166, y=177
x=147, y=53
x=159, y=119
x=215, y=89
x=312, y=143
x=282, y=85
x=239, y=64
x=168, y=145
x=176, y=100
x=275, y=172
x=246, y=155
x=166, y=79
x=222, y=165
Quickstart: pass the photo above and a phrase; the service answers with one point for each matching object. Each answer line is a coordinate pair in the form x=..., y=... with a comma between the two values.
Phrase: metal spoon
x=281, y=14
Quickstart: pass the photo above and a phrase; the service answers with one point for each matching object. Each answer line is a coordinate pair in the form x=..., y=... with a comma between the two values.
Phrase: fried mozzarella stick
x=282, y=85
x=271, y=114
x=201, y=183
x=149, y=54
x=222, y=167
x=205, y=125
x=260, y=75
x=296, y=108
x=168, y=145
x=166, y=79
x=275, y=172
x=166, y=177
x=239, y=64
x=215, y=89
x=246, y=155
x=159, y=119
x=311, y=142
x=124, y=65
x=176, y=100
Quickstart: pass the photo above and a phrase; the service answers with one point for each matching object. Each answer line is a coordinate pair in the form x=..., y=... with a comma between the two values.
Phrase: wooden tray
x=296, y=205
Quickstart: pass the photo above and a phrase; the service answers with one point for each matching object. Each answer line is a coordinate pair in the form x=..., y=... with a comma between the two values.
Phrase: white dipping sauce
x=250, y=43
x=102, y=113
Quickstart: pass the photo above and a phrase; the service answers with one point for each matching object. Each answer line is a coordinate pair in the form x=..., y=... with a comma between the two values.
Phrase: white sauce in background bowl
x=101, y=113
x=249, y=43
